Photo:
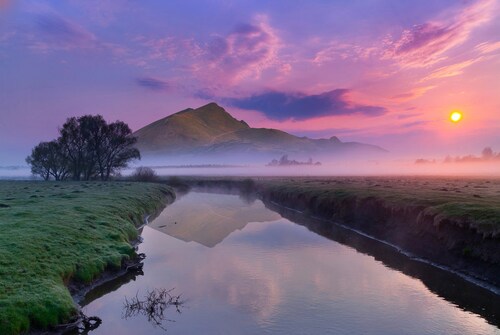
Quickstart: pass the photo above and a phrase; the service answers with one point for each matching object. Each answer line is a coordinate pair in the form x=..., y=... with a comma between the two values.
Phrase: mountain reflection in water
x=211, y=219
x=252, y=271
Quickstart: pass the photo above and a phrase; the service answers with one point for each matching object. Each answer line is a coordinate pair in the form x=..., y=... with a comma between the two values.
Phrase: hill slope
x=210, y=134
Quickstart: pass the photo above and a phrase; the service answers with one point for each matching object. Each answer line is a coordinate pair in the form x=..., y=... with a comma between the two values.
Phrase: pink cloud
x=244, y=53
x=425, y=44
x=343, y=51
x=451, y=70
x=170, y=48
x=488, y=47
x=412, y=94
x=157, y=48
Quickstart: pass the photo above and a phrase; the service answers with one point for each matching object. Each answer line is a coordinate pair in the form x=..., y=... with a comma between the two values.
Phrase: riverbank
x=60, y=234
x=450, y=222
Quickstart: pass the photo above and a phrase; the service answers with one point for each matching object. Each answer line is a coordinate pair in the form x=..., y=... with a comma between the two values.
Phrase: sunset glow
x=301, y=139
x=456, y=116
x=375, y=72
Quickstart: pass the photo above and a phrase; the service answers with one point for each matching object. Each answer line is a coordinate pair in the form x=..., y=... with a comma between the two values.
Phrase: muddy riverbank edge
x=132, y=265
x=453, y=243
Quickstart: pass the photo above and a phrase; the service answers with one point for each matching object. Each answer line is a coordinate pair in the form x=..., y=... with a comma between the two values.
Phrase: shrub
x=144, y=174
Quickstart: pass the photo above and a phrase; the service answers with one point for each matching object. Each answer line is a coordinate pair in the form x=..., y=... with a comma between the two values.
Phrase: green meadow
x=52, y=233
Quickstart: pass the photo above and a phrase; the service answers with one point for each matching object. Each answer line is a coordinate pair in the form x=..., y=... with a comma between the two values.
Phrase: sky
x=384, y=72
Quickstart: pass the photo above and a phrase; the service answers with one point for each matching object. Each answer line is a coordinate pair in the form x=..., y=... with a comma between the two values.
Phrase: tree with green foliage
x=77, y=139
x=116, y=150
x=47, y=160
x=87, y=148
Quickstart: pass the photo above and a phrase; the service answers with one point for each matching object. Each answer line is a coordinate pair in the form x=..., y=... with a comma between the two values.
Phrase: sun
x=456, y=116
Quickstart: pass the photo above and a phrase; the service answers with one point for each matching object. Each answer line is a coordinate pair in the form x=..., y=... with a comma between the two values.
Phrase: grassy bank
x=52, y=233
x=473, y=203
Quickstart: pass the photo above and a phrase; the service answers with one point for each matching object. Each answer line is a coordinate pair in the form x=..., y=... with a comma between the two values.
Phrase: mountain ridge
x=210, y=132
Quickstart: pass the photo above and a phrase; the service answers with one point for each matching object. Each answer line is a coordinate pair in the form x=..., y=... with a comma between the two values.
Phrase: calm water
x=244, y=269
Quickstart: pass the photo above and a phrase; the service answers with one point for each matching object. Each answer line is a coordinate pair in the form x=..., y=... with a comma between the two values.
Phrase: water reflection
x=445, y=284
x=110, y=286
x=274, y=276
x=208, y=219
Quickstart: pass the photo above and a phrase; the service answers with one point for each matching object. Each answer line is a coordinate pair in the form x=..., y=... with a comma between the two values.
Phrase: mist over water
x=352, y=167
x=344, y=168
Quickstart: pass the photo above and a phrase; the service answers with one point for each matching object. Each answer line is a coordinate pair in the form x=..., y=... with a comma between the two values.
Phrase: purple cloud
x=152, y=84
x=423, y=35
x=407, y=116
x=414, y=124
x=217, y=48
x=282, y=106
x=57, y=32
x=245, y=52
x=425, y=44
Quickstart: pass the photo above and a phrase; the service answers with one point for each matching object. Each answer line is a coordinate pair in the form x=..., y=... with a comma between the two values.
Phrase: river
x=242, y=268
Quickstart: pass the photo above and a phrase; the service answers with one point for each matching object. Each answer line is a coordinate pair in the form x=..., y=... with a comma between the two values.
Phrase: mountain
x=209, y=134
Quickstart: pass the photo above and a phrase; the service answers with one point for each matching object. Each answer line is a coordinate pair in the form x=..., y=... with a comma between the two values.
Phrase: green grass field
x=54, y=232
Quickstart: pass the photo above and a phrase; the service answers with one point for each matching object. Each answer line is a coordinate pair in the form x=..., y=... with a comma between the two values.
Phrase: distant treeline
x=284, y=161
x=487, y=155
x=87, y=148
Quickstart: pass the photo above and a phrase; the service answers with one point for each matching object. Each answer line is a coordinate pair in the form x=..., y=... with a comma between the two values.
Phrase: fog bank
x=345, y=168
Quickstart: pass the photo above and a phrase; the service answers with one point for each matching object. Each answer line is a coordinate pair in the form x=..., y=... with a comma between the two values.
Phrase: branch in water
x=154, y=306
